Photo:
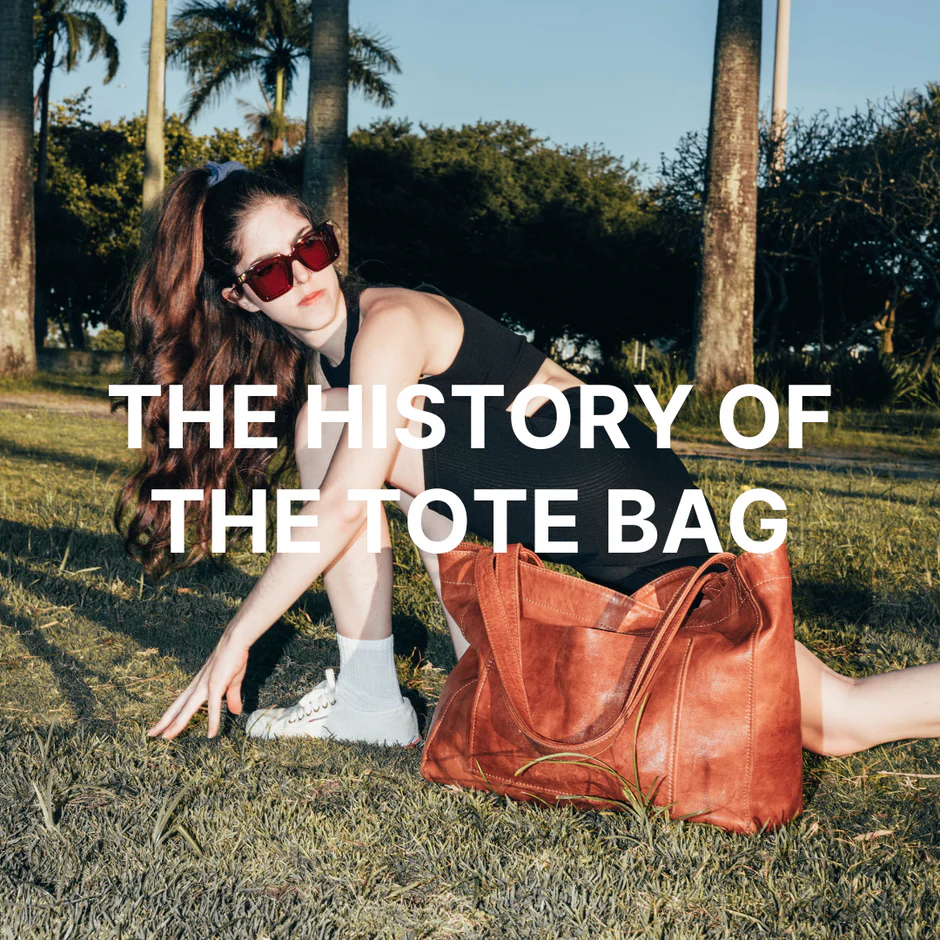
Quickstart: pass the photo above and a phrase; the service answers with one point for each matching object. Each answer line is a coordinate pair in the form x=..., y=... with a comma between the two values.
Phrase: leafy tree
x=224, y=42
x=848, y=246
x=90, y=230
x=267, y=127
x=559, y=241
x=68, y=27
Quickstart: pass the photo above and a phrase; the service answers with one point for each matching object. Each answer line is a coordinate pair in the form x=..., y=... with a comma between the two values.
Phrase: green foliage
x=71, y=27
x=872, y=381
x=486, y=212
x=557, y=240
x=221, y=43
x=107, y=340
x=848, y=231
x=88, y=228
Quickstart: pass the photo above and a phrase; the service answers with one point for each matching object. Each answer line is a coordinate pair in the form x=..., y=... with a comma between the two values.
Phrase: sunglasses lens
x=318, y=249
x=271, y=279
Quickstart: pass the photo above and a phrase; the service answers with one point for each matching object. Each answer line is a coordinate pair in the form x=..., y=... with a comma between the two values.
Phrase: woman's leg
x=358, y=583
x=437, y=527
x=844, y=714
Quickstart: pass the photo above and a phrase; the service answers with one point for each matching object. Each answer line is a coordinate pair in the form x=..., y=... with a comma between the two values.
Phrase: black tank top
x=489, y=354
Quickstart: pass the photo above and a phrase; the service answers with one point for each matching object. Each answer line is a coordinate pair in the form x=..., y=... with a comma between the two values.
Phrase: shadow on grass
x=164, y=616
x=81, y=386
x=9, y=448
x=814, y=597
x=888, y=494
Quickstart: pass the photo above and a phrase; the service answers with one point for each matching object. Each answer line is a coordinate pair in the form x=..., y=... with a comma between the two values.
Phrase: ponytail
x=183, y=332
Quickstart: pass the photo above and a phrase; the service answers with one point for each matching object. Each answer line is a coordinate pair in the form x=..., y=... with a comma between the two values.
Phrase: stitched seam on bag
x=711, y=623
x=517, y=643
x=750, y=704
x=473, y=711
x=447, y=708
x=561, y=610
x=680, y=694
x=783, y=577
x=516, y=654
x=541, y=787
x=463, y=617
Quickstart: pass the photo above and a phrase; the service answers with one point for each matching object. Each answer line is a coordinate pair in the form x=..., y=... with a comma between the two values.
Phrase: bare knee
x=830, y=719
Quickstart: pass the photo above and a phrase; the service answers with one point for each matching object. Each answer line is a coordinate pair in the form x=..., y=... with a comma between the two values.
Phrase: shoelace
x=320, y=696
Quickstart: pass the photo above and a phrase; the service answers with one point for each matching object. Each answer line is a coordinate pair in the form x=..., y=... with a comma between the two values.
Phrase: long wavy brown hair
x=182, y=332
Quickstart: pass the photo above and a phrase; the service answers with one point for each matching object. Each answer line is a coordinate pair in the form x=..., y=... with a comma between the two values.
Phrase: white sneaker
x=319, y=715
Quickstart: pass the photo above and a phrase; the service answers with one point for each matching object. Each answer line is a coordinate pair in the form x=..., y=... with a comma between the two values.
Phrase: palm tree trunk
x=280, y=143
x=154, y=147
x=326, y=182
x=723, y=354
x=42, y=161
x=17, y=238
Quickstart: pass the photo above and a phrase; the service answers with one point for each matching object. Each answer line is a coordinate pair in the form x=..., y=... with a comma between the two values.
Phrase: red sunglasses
x=272, y=277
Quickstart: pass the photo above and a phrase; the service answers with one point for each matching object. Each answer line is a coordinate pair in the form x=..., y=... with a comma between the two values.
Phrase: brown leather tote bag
x=687, y=689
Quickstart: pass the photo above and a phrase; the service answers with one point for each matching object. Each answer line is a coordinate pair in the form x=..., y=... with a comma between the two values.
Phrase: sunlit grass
x=105, y=832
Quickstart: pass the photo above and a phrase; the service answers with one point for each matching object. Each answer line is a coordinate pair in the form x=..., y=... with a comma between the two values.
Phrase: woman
x=236, y=288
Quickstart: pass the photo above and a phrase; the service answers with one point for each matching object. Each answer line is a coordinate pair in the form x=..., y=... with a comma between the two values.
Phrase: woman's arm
x=389, y=351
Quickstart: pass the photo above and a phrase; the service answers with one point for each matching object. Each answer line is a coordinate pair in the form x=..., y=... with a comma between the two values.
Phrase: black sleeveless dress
x=490, y=353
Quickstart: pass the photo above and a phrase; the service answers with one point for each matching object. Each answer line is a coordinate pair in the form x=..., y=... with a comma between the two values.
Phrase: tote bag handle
x=499, y=596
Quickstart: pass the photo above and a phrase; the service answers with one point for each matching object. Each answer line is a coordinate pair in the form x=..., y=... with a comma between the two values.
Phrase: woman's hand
x=221, y=675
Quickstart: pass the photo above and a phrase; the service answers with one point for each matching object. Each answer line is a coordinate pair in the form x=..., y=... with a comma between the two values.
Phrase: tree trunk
x=934, y=344
x=723, y=354
x=885, y=324
x=17, y=238
x=42, y=161
x=326, y=183
x=280, y=143
x=76, y=334
x=154, y=146
x=821, y=300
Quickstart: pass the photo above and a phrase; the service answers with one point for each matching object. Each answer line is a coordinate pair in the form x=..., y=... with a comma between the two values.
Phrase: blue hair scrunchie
x=218, y=171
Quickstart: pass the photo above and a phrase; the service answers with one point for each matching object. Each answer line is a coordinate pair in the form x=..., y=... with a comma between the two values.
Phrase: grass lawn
x=106, y=833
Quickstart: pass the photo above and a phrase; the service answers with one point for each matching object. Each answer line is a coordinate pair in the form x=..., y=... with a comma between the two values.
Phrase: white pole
x=779, y=106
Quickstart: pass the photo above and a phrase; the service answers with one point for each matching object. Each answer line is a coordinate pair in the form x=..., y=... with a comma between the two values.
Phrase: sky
x=632, y=77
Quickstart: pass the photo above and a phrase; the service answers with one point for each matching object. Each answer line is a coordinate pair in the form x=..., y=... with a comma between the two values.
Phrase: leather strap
x=498, y=581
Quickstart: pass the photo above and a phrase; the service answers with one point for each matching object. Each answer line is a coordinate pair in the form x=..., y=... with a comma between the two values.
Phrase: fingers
x=171, y=713
x=215, y=711
x=233, y=697
x=190, y=707
x=210, y=685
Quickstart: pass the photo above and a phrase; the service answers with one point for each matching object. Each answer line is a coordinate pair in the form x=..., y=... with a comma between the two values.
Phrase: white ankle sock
x=367, y=678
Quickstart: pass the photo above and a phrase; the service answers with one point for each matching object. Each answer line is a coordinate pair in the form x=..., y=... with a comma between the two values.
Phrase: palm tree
x=267, y=126
x=326, y=178
x=156, y=96
x=69, y=26
x=17, y=242
x=723, y=354
x=224, y=42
